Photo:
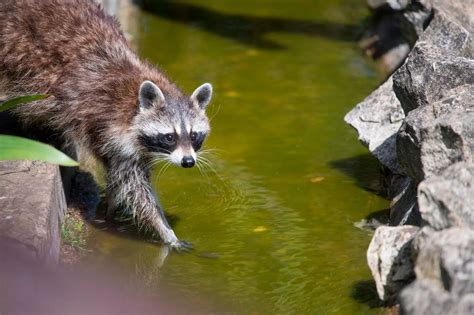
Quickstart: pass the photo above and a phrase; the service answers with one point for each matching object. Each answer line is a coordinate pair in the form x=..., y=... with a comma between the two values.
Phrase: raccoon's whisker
x=205, y=160
x=209, y=165
x=164, y=168
x=198, y=165
x=202, y=169
x=155, y=158
x=214, y=114
x=205, y=164
x=207, y=150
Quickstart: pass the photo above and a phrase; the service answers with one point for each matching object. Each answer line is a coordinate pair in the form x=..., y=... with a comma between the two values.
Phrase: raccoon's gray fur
x=104, y=98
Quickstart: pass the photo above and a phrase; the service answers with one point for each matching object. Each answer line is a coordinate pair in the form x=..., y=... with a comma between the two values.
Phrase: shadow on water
x=365, y=292
x=246, y=29
x=364, y=170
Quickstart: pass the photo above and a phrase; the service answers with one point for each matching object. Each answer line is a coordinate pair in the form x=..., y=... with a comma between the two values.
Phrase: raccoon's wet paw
x=181, y=246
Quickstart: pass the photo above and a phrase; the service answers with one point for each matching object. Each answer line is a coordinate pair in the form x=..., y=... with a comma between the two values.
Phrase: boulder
x=461, y=10
x=377, y=120
x=390, y=261
x=464, y=305
x=425, y=297
x=437, y=135
x=446, y=258
x=448, y=200
x=447, y=34
x=444, y=273
x=428, y=73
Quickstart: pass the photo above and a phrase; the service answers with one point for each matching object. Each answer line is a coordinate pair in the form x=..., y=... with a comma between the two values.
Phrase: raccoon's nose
x=187, y=161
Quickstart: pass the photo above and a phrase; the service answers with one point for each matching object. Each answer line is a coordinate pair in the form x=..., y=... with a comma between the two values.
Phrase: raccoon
x=105, y=99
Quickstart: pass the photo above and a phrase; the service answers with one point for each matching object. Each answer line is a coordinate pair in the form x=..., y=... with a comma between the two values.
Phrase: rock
x=448, y=35
x=377, y=120
x=392, y=4
x=418, y=14
x=464, y=306
x=424, y=297
x=389, y=259
x=444, y=267
x=446, y=258
x=433, y=148
x=448, y=200
x=427, y=73
x=404, y=208
x=32, y=204
x=461, y=10
x=435, y=136
x=394, y=30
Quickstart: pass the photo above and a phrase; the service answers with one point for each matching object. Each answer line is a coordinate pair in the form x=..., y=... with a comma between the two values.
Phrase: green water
x=273, y=224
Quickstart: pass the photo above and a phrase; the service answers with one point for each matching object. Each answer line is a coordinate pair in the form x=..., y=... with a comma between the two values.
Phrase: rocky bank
x=420, y=125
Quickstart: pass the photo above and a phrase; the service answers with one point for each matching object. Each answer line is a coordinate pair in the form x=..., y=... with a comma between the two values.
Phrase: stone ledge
x=32, y=206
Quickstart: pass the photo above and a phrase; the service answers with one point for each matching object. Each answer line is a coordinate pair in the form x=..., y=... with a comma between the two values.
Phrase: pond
x=272, y=220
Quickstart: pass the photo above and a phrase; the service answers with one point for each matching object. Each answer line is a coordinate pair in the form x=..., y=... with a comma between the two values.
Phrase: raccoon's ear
x=202, y=95
x=150, y=96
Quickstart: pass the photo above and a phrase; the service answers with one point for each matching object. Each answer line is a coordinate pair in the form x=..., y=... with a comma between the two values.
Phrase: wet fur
x=73, y=51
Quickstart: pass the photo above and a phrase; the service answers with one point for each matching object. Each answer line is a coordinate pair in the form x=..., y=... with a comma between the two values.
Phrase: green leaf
x=16, y=148
x=21, y=100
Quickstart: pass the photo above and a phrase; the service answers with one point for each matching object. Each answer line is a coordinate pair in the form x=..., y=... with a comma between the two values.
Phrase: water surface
x=273, y=223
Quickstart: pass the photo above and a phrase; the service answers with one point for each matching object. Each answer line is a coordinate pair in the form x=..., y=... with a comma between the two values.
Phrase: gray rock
x=434, y=146
x=389, y=259
x=418, y=14
x=377, y=120
x=461, y=10
x=392, y=4
x=427, y=74
x=448, y=200
x=435, y=136
x=447, y=34
x=404, y=208
x=464, y=306
x=425, y=297
x=446, y=258
x=444, y=269
x=32, y=204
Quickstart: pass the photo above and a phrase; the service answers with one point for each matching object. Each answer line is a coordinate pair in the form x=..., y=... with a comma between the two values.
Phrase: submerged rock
x=390, y=261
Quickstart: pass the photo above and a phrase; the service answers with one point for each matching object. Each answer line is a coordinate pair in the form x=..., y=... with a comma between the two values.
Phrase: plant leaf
x=17, y=148
x=21, y=100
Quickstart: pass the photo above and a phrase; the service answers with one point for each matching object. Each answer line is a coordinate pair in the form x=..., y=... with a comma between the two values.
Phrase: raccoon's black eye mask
x=197, y=139
x=165, y=143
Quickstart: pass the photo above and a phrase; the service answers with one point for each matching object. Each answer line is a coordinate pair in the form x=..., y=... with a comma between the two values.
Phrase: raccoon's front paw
x=181, y=246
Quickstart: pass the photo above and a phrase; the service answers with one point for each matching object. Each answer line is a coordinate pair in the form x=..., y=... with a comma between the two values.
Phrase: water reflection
x=246, y=29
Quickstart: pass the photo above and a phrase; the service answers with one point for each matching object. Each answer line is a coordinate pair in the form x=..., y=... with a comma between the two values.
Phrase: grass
x=74, y=231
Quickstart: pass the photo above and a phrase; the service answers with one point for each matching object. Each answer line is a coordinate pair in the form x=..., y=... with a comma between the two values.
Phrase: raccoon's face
x=173, y=128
